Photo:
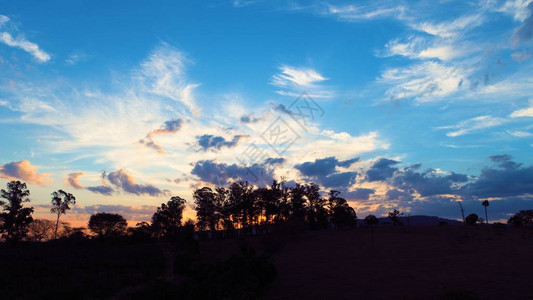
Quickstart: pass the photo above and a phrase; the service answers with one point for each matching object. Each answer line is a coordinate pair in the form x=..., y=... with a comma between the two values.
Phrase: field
x=431, y=262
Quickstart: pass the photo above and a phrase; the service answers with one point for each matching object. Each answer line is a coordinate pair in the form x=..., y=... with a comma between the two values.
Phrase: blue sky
x=416, y=104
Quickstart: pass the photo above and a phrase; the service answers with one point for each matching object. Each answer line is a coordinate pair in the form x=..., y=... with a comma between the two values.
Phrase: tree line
x=241, y=208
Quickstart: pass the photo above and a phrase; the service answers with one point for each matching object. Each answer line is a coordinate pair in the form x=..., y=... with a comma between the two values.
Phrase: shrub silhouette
x=523, y=218
x=471, y=219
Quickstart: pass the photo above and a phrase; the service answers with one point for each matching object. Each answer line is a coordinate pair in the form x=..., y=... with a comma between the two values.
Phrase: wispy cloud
x=474, y=124
x=524, y=112
x=424, y=81
x=363, y=12
x=293, y=81
x=19, y=41
x=520, y=134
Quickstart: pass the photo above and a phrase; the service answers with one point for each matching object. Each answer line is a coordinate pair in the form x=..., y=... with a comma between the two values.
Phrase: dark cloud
x=358, y=194
x=323, y=171
x=397, y=195
x=428, y=183
x=275, y=161
x=322, y=167
x=208, y=141
x=524, y=33
x=101, y=189
x=247, y=119
x=382, y=170
x=282, y=108
x=127, y=183
x=338, y=180
x=223, y=174
x=168, y=127
x=506, y=179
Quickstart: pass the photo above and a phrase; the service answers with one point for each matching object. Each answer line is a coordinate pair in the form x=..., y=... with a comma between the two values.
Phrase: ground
x=431, y=262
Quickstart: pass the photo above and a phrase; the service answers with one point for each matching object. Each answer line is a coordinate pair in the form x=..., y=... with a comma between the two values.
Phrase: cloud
x=208, y=141
x=295, y=81
x=101, y=189
x=324, y=171
x=359, y=194
x=428, y=183
x=222, y=174
x=506, y=179
x=168, y=127
x=322, y=167
x=163, y=73
x=250, y=119
x=20, y=42
x=424, y=82
x=73, y=180
x=520, y=134
x=474, y=124
x=400, y=196
x=381, y=170
x=23, y=170
x=421, y=48
x=135, y=213
x=355, y=13
x=126, y=182
x=450, y=29
x=521, y=56
x=75, y=58
x=525, y=31
x=516, y=8
x=525, y=112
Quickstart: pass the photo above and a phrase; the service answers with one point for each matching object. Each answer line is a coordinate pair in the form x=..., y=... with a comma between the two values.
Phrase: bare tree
x=41, y=230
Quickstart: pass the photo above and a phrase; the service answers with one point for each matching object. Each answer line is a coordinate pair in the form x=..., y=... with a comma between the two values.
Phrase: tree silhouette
x=107, y=225
x=15, y=218
x=486, y=204
x=166, y=221
x=341, y=214
x=41, y=230
x=471, y=219
x=206, y=209
x=523, y=218
x=394, y=217
x=317, y=214
x=61, y=202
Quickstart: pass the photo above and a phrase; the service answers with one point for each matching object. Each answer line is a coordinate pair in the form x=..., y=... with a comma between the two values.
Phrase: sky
x=409, y=105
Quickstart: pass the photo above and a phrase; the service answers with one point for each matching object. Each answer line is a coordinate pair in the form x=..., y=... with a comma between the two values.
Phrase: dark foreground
x=439, y=262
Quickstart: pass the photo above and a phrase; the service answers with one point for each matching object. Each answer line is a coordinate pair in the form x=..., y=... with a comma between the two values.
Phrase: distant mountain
x=415, y=221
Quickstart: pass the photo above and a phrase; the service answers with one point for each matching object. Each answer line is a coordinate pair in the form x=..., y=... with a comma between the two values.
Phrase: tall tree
x=298, y=201
x=61, y=202
x=15, y=217
x=107, y=225
x=485, y=205
x=166, y=221
x=341, y=214
x=393, y=216
x=206, y=209
x=317, y=214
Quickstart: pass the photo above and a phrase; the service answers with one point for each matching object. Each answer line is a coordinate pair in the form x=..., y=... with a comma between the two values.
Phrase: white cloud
x=22, y=43
x=449, y=29
x=3, y=19
x=294, y=81
x=364, y=12
x=520, y=133
x=474, y=124
x=75, y=58
x=422, y=48
x=516, y=8
x=425, y=81
x=525, y=112
x=163, y=73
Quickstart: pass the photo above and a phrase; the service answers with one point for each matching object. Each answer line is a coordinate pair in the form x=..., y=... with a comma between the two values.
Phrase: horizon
x=398, y=105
